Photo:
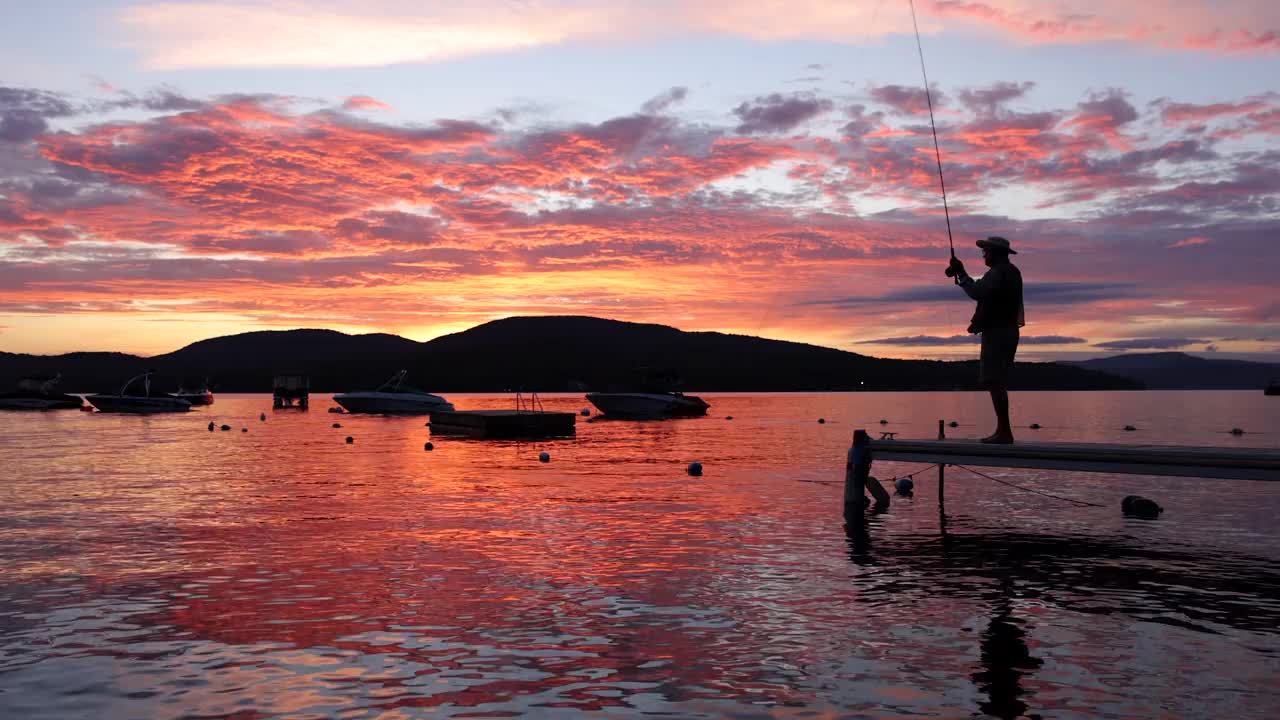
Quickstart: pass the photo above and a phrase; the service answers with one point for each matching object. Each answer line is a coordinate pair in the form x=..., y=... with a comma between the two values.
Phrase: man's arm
x=982, y=287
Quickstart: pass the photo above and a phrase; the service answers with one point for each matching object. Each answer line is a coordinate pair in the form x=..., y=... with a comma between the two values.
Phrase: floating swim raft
x=503, y=423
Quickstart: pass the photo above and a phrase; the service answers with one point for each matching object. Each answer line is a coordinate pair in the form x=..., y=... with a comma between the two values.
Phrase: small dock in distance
x=504, y=423
x=1172, y=460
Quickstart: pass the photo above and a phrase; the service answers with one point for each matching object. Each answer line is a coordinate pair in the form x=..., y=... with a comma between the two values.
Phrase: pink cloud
x=250, y=206
x=1188, y=242
x=363, y=102
x=171, y=35
x=1175, y=24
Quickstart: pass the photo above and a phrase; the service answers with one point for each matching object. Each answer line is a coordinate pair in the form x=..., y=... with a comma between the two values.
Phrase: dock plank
x=1172, y=460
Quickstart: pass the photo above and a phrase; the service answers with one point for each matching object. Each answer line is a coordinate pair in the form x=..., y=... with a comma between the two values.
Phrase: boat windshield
x=397, y=385
x=146, y=384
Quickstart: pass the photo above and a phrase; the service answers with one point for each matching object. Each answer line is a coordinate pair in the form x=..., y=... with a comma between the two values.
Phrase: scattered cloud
x=907, y=100
x=665, y=101
x=364, y=102
x=779, y=113
x=1150, y=343
x=266, y=206
x=991, y=99
x=1034, y=293
x=236, y=33
x=1189, y=242
x=24, y=112
x=938, y=340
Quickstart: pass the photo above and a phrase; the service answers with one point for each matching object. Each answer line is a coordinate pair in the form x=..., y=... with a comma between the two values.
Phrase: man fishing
x=997, y=318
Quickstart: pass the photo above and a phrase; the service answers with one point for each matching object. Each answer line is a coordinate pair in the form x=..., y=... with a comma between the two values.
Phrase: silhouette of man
x=998, y=316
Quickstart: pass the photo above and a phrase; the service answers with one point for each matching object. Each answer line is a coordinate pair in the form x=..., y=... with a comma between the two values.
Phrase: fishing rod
x=937, y=153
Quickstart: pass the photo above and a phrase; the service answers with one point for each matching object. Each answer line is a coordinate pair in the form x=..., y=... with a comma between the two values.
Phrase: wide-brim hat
x=997, y=243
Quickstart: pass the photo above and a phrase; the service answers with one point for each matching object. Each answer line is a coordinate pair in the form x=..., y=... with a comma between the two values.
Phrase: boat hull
x=195, y=398
x=648, y=405
x=16, y=401
x=383, y=403
x=137, y=404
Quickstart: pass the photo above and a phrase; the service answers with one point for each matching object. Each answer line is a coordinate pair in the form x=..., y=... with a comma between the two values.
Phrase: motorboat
x=394, y=397
x=200, y=395
x=132, y=402
x=648, y=404
x=36, y=393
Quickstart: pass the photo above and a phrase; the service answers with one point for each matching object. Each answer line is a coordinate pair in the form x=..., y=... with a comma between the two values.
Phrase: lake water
x=150, y=568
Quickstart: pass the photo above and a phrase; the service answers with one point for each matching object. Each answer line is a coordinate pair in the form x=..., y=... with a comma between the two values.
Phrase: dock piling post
x=942, y=472
x=857, y=468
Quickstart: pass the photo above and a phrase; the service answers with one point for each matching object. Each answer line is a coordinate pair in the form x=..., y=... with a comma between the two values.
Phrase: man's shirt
x=999, y=296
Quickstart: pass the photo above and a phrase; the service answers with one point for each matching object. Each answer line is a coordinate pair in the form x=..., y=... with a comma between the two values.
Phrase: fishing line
x=937, y=152
x=979, y=473
x=1030, y=490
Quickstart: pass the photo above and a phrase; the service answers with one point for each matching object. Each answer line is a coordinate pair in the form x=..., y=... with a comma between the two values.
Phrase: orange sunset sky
x=172, y=171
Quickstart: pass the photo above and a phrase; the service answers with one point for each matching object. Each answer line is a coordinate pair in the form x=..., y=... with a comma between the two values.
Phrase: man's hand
x=955, y=267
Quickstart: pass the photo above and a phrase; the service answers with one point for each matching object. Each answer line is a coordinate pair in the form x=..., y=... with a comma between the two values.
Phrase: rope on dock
x=1030, y=490
x=1081, y=503
x=892, y=479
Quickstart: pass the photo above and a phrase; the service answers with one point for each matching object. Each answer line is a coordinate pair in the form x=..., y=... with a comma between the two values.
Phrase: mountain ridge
x=1180, y=371
x=546, y=353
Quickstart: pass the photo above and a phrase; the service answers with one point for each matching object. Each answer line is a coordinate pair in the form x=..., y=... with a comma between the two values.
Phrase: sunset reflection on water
x=155, y=569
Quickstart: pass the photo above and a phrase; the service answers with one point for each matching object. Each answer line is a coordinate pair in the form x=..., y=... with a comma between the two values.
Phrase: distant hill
x=1175, y=370
x=534, y=353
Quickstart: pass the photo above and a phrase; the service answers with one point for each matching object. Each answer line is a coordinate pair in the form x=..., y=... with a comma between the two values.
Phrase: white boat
x=126, y=402
x=198, y=396
x=37, y=393
x=394, y=397
x=648, y=404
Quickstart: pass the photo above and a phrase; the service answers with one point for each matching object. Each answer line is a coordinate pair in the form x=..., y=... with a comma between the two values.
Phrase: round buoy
x=822, y=421
x=337, y=425
x=1237, y=431
x=695, y=469
x=1129, y=428
x=953, y=423
x=904, y=486
x=210, y=426
x=225, y=428
x=350, y=439
x=728, y=417
x=244, y=429
x=428, y=446
x=544, y=457
x=1140, y=507
x=262, y=417
x=1034, y=426
x=584, y=412
x=336, y=410
x=883, y=421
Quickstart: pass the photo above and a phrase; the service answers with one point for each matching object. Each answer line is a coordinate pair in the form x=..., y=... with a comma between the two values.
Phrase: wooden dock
x=1175, y=460
x=503, y=423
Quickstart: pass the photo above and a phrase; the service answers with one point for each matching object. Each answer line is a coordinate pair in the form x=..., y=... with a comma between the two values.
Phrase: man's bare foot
x=998, y=439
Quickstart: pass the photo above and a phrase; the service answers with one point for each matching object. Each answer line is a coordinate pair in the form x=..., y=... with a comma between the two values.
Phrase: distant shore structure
x=290, y=390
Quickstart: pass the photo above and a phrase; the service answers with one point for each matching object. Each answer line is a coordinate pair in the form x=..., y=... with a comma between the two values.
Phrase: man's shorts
x=998, y=348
